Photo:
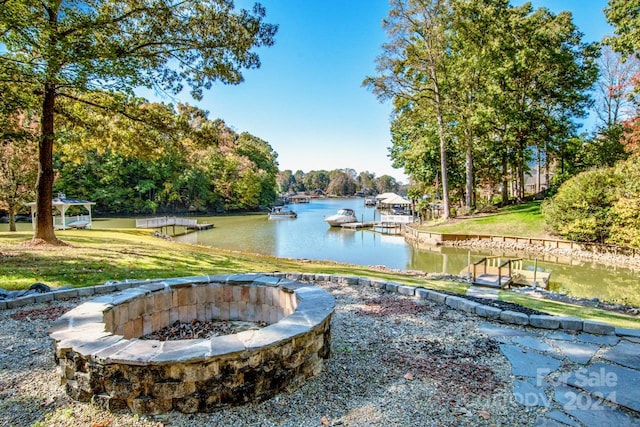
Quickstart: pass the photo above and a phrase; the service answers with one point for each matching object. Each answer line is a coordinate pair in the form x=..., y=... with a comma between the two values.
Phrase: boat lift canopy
x=62, y=204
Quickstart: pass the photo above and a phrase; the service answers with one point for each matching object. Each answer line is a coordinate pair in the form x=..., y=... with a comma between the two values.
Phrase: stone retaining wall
x=101, y=359
x=470, y=307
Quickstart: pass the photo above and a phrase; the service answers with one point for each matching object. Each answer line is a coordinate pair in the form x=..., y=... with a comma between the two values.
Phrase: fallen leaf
x=484, y=414
x=104, y=423
x=325, y=421
x=408, y=376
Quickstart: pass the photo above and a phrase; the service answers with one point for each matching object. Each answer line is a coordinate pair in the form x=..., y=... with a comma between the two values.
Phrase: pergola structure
x=62, y=204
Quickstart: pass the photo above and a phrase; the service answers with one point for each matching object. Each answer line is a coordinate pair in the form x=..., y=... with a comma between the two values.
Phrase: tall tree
x=615, y=86
x=70, y=48
x=413, y=67
x=18, y=168
x=624, y=15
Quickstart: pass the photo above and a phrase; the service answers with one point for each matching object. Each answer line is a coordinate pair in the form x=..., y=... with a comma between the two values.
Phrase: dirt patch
x=47, y=313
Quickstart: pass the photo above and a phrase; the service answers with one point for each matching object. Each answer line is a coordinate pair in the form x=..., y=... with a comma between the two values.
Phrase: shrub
x=625, y=228
x=581, y=210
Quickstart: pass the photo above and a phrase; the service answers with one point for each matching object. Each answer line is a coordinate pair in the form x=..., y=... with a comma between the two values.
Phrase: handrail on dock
x=496, y=263
x=165, y=221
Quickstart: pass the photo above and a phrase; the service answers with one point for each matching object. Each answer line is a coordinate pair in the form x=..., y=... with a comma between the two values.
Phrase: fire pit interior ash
x=102, y=358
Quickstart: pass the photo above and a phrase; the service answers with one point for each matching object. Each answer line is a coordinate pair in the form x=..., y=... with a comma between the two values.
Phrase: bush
x=625, y=229
x=581, y=209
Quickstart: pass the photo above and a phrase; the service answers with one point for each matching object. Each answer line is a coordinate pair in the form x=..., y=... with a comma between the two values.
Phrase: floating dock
x=354, y=225
x=172, y=221
x=496, y=272
x=379, y=227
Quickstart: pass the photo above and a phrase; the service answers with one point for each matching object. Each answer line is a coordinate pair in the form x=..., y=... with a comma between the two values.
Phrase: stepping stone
x=501, y=331
x=526, y=394
x=533, y=343
x=546, y=422
x=591, y=411
x=562, y=418
x=625, y=332
x=560, y=335
x=616, y=384
x=577, y=352
x=529, y=363
x=599, y=339
x=625, y=354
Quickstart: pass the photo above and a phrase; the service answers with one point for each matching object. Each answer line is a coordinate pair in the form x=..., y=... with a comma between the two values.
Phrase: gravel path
x=395, y=361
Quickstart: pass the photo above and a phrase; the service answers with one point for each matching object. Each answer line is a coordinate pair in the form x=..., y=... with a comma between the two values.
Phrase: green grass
x=571, y=310
x=524, y=220
x=96, y=256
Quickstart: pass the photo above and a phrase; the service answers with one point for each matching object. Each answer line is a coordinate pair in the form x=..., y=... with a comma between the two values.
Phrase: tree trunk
x=443, y=146
x=505, y=181
x=538, y=171
x=469, y=202
x=12, y=218
x=547, y=180
x=44, y=185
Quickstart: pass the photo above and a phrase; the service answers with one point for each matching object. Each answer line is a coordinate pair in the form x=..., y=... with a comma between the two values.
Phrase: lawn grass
x=524, y=220
x=96, y=256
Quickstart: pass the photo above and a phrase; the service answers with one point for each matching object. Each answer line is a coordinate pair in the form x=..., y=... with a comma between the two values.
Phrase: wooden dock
x=379, y=227
x=498, y=273
x=172, y=221
x=356, y=225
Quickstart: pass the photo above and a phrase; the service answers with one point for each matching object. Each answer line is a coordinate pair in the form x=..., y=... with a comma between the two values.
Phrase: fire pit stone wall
x=101, y=359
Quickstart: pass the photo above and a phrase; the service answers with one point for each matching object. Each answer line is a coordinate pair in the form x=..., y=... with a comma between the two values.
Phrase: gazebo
x=62, y=204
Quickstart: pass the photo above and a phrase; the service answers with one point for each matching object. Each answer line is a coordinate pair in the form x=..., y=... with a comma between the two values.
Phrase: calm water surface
x=310, y=237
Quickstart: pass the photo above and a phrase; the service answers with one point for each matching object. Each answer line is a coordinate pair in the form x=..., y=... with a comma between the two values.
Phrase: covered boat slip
x=62, y=221
x=499, y=272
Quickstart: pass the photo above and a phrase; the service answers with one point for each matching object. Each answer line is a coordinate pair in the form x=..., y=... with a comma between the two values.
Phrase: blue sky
x=307, y=101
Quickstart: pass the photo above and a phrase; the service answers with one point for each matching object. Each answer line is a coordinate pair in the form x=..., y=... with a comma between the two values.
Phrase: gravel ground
x=395, y=361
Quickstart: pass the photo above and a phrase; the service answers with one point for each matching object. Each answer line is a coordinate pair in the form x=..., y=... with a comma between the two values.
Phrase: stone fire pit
x=101, y=358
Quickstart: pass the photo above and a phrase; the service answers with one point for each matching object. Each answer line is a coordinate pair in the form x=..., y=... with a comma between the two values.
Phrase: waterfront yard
x=95, y=256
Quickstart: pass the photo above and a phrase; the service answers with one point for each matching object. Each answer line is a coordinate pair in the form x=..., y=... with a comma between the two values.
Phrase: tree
x=581, y=208
x=343, y=182
x=18, y=128
x=70, y=49
x=413, y=67
x=615, y=87
x=386, y=184
x=18, y=168
x=624, y=15
x=284, y=181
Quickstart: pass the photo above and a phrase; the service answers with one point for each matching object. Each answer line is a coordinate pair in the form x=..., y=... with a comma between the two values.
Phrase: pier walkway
x=172, y=221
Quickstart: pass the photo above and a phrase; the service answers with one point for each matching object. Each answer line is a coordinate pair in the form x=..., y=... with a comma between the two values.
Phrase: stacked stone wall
x=101, y=359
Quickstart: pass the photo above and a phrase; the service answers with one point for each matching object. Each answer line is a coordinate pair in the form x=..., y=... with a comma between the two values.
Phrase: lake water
x=310, y=237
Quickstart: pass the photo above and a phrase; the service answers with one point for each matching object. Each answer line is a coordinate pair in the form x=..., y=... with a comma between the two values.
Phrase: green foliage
x=477, y=87
x=581, y=209
x=605, y=148
x=625, y=212
x=600, y=205
x=624, y=15
x=92, y=52
x=193, y=164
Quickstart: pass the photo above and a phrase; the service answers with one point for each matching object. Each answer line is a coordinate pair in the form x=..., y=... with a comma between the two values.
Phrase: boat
x=282, y=212
x=343, y=216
